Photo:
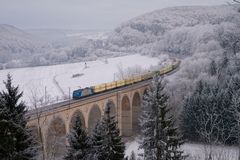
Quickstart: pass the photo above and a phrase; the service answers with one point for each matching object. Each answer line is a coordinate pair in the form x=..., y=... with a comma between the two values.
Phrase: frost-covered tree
x=16, y=141
x=161, y=140
x=79, y=142
x=97, y=138
x=206, y=115
x=113, y=141
x=235, y=108
x=230, y=40
x=107, y=142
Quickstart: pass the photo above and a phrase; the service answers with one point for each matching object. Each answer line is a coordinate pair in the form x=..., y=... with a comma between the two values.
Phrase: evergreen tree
x=133, y=156
x=79, y=144
x=114, y=143
x=161, y=141
x=97, y=138
x=107, y=142
x=16, y=141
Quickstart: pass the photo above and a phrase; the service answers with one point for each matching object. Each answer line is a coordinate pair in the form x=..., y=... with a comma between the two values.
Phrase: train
x=84, y=92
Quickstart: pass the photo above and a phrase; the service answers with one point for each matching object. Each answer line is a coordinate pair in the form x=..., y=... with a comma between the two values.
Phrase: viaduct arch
x=126, y=116
x=136, y=111
x=93, y=117
x=76, y=114
x=56, y=138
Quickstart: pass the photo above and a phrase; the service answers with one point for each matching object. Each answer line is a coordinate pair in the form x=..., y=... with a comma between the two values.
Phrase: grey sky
x=82, y=14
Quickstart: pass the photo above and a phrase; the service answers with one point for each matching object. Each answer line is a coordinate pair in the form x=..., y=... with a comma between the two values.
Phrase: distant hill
x=177, y=30
x=16, y=45
x=20, y=48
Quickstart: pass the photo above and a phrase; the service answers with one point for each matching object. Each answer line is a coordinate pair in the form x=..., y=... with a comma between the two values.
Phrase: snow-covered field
x=194, y=151
x=58, y=79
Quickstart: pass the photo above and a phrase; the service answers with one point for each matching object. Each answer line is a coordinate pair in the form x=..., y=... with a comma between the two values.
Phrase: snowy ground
x=57, y=80
x=194, y=151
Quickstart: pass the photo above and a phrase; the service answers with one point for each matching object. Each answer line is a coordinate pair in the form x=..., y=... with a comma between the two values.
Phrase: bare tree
x=38, y=102
x=235, y=108
x=211, y=133
x=55, y=143
x=128, y=72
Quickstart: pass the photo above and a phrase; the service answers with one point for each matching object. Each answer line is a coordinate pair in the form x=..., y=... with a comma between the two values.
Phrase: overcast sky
x=82, y=14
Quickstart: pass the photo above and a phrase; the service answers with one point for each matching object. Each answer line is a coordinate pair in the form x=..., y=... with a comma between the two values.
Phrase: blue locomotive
x=82, y=92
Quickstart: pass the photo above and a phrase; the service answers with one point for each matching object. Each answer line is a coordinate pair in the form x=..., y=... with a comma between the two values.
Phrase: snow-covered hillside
x=16, y=45
x=20, y=48
x=177, y=30
x=57, y=79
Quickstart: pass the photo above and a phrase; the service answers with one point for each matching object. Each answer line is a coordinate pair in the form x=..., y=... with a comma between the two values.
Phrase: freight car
x=77, y=94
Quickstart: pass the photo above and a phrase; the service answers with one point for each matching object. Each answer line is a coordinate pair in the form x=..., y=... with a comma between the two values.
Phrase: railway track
x=66, y=103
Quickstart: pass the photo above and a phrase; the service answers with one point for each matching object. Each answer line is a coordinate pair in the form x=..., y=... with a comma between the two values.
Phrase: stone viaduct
x=54, y=122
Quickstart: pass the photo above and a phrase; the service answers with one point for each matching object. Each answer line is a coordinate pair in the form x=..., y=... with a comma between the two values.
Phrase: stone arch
x=112, y=107
x=136, y=111
x=145, y=91
x=56, y=138
x=126, y=117
x=73, y=119
x=93, y=117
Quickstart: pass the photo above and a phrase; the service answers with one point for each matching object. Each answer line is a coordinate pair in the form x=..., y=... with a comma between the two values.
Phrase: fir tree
x=114, y=143
x=97, y=138
x=107, y=142
x=79, y=144
x=16, y=141
x=161, y=141
x=132, y=156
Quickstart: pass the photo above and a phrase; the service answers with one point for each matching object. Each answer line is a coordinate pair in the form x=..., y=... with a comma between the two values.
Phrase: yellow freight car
x=137, y=79
x=120, y=83
x=129, y=81
x=99, y=88
x=111, y=85
x=146, y=76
